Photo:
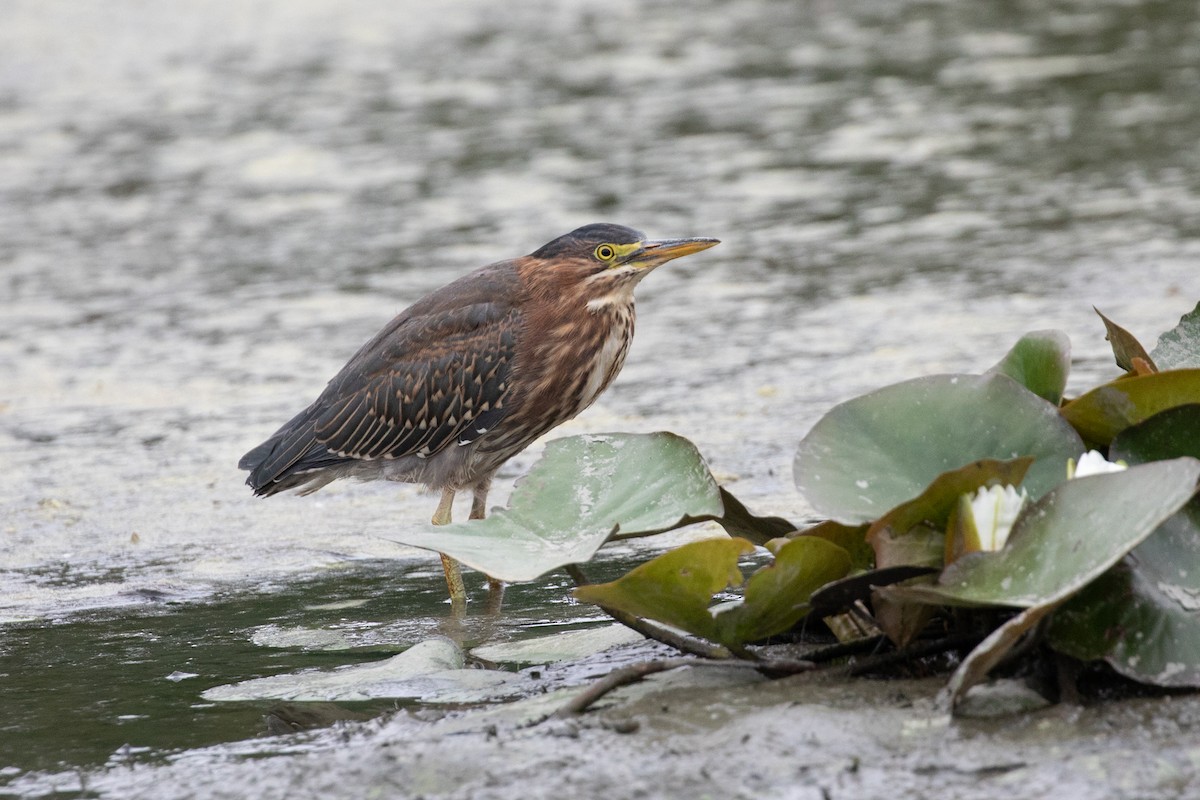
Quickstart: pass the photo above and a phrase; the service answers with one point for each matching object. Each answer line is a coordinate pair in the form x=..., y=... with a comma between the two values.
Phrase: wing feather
x=432, y=378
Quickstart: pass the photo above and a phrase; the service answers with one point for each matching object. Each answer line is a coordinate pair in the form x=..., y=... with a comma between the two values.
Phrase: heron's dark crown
x=582, y=241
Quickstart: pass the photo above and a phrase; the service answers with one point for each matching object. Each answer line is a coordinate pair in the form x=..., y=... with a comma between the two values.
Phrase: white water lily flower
x=1093, y=463
x=994, y=509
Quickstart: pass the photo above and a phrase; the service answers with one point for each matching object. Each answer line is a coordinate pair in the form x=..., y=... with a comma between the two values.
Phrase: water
x=123, y=686
x=205, y=210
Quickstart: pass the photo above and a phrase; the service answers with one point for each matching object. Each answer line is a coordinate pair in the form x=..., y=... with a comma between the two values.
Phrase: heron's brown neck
x=566, y=359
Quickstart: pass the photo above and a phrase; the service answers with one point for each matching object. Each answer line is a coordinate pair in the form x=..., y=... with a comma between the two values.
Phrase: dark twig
x=918, y=650
x=616, y=679
x=636, y=672
x=651, y=630
x=842, y=649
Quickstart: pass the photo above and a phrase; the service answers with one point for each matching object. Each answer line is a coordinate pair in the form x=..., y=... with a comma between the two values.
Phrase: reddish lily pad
x=1127, y=350
x=1105, y=411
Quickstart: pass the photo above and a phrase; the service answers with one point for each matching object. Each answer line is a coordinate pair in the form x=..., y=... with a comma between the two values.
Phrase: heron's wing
x=435, y=376
x=427, y=386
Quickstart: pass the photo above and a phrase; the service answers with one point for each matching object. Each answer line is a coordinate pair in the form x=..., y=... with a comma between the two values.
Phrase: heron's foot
x=454, y=582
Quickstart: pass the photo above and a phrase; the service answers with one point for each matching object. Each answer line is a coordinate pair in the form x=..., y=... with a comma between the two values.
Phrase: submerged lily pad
x=872, y=453
x=1102, y=413
x=1143, y=615
x=581, y=491
x=1040, y=361
x=565, y=646
x=1067, y=539
x=431, y=670
x=1179, y=348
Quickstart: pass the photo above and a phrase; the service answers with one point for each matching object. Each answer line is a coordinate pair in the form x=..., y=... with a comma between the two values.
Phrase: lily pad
x=737, y=520
x=1040, y=361
x=851, y=538
x=872, y=453
x=1143, y=615
x=431, y=670
x=565, y=646
x=1102, y=413
x=1168, y=434
x=677, y=588
x=777, y=596
x=296, y=638
x=1179, y=348
x=1067, y=539
x=582, y=490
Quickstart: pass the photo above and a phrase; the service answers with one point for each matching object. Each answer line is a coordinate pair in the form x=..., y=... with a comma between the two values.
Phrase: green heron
x=470, y=375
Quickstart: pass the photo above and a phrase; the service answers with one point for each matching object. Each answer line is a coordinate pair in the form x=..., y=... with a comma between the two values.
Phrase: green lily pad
x=581, y=491
x=872, y=453
x=921, y=545
x=1105, y=411
x=1168, y=434
x=851, y=538
x=677, y=588
x=777, y=596
x=1143, y=615
x=1126, y=348
x=1040, y=361
x=1067, y=539
x=1179, y=348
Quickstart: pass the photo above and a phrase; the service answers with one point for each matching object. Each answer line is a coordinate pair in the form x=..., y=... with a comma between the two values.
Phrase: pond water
x=205, y=210
x=129, y=680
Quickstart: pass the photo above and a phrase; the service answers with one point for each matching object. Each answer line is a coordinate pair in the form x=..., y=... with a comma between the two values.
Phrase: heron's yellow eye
x=605, y=252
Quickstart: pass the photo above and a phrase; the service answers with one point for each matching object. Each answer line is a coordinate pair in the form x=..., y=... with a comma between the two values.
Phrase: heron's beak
x=654, y=252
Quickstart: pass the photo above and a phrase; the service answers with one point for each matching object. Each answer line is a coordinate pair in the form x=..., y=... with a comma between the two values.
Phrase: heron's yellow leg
x=454, y=581
x=479, y=511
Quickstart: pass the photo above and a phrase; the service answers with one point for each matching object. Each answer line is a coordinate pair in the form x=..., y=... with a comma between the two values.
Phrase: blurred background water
x=206, y=208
